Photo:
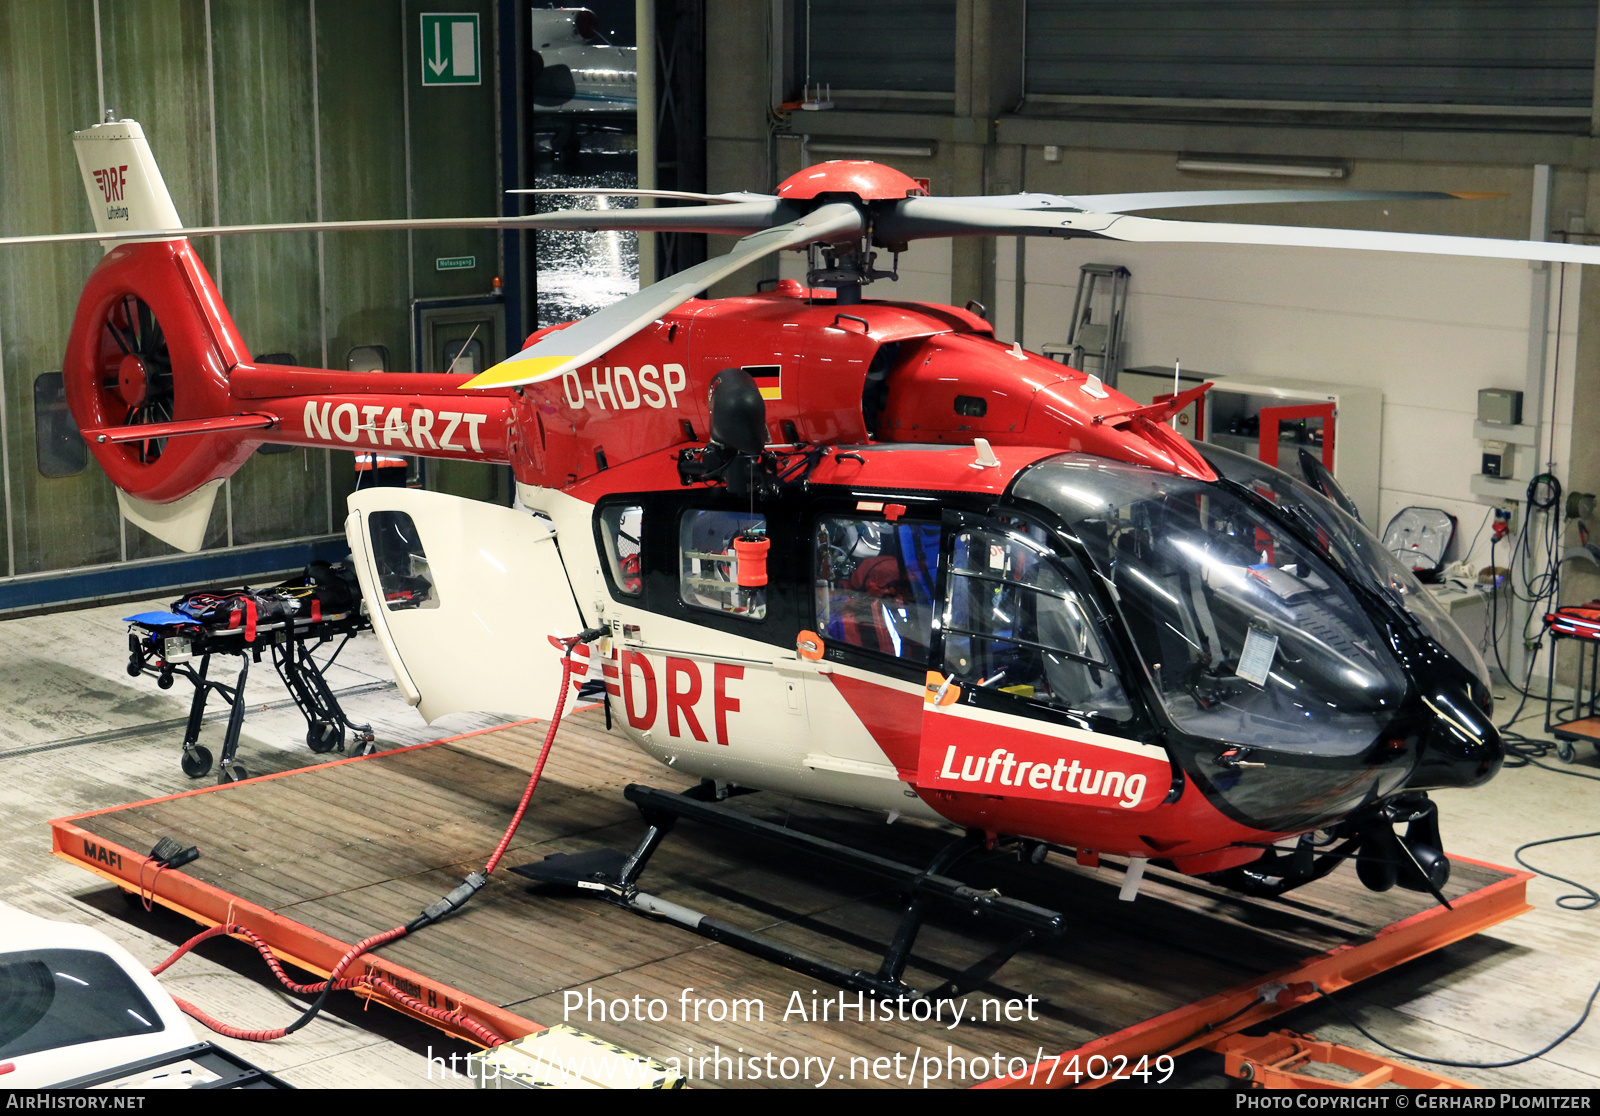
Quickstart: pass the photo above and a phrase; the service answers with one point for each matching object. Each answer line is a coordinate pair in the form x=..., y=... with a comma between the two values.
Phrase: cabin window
x=367, y=358
x=620, y=527
x=403, y=574
x=61, y=450
x=1013, y=623
x=709, y=568
x=875, y=584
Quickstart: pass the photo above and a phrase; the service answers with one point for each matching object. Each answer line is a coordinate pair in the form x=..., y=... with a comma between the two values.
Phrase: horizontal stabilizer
x=150, y=431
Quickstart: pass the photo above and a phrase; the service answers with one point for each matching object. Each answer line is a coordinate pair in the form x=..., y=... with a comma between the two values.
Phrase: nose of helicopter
x=1460, y=745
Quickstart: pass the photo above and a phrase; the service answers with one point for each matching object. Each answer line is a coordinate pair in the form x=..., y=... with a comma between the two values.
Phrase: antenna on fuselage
x=1177, y=365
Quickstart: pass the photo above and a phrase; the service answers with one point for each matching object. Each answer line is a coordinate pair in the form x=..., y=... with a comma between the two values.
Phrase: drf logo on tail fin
x=111, y=181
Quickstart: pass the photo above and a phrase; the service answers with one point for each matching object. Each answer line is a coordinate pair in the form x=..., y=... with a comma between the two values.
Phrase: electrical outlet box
x=1499, y=459
x=1500, y=406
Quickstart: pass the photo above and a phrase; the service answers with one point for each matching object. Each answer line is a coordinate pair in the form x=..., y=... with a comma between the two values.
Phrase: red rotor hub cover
x=132, y=381
x=867, y=180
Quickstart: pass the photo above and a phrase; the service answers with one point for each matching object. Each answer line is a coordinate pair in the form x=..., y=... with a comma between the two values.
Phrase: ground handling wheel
x=325, y=736
x=196, y=761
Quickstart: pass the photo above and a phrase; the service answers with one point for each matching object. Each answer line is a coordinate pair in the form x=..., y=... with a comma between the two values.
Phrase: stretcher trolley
x=1580, y=623
x=291, y=622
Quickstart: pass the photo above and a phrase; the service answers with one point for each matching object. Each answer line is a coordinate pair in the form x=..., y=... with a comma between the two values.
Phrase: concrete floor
x=76, y=733
x=1508, y=992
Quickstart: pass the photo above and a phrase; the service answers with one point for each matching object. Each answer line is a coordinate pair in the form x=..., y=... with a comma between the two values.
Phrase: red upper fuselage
x=832, y=374
x=840, y=375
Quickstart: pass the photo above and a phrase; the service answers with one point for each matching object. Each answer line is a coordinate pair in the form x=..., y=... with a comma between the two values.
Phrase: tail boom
x=165, y=392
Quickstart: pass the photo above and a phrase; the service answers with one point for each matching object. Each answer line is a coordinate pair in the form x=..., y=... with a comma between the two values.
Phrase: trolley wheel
x=196, y=761
x=325, y=736
x=164, y=680
x=134, y=668
x=1566, y=751
x=366, y=748
x=232, y=773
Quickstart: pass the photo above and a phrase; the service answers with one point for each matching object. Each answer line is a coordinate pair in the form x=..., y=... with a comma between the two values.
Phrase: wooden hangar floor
x=78, y=734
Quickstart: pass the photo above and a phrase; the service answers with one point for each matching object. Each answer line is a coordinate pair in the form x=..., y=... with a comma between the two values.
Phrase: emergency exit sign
x=450, y=49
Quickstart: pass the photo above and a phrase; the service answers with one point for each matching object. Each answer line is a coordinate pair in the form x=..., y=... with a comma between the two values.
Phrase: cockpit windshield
x=1354, y=547
x=1249, y=636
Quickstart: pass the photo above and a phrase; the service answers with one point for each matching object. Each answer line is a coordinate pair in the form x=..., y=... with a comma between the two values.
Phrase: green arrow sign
x=450, y=49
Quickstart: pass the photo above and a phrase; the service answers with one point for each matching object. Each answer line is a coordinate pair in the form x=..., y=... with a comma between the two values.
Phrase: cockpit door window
x=1015, y=623
x=876, y=584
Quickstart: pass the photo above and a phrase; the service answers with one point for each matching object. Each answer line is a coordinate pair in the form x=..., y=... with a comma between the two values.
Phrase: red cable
x=453, y=1018
x=538, y=768
x=336, y=979
x=272, y=959
x=222, y=1028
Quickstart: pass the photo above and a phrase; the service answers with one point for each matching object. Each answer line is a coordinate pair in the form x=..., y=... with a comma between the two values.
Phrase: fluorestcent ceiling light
x=1285, y=170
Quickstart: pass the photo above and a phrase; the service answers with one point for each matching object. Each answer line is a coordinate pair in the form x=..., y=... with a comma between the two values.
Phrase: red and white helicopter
x=856, y=551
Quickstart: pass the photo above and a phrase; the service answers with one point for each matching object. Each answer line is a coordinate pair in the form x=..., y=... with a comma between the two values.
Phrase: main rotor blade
x=685, y=195
x=567, y=348
x=918, y=218
x=723, y=220
x=1173, y=199
x=1156, y=230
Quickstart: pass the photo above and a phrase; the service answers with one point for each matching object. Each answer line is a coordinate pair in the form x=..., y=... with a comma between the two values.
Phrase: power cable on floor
x=1588, y=898
x=1525, y=751
x=370, y=980
x=1563, y=1037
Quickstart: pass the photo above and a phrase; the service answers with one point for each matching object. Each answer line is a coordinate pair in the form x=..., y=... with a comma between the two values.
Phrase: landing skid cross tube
x=615, y=876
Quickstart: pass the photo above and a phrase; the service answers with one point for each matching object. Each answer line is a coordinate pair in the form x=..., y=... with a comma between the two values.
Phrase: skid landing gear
x=614, y=876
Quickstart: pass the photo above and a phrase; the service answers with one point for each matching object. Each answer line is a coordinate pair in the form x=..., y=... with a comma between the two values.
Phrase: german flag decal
x=769, y=378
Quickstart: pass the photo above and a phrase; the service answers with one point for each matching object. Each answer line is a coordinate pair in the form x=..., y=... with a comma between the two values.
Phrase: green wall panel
x=282, y=75
x=364, y=177
x=47, y=90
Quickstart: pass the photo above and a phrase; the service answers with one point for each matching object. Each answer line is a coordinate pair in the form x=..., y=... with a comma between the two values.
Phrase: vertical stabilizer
x=125, y=187
x=181, y=523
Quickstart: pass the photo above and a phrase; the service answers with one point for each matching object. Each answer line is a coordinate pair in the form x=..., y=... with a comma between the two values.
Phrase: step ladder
x=1097, y=318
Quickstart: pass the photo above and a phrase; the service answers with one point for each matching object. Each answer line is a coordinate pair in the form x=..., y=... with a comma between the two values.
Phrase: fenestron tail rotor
x=137, y=371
